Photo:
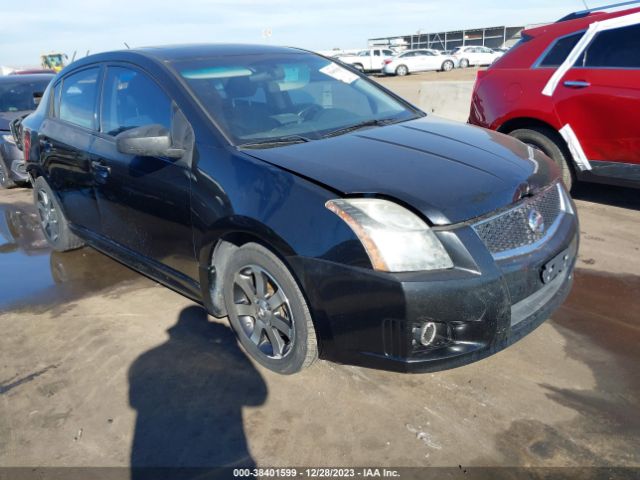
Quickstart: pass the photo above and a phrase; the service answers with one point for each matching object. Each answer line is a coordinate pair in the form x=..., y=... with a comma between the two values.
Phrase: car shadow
x=189, y=394
x=608, y=195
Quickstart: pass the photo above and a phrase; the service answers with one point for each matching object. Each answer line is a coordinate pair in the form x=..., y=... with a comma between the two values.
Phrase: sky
x=33, y=27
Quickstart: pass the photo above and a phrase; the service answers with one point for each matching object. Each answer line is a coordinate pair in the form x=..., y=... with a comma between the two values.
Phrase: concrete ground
x=100, y=366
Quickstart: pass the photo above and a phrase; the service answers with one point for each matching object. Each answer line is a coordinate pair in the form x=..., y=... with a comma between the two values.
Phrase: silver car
x=423, y=60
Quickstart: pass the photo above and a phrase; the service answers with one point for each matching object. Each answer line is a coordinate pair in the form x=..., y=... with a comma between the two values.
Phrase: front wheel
x=447, y=66
x=268, y=311
x=358, y=67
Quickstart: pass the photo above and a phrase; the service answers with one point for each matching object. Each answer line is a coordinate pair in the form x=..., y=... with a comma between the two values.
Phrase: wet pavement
x=31, y=271
x=100, y=366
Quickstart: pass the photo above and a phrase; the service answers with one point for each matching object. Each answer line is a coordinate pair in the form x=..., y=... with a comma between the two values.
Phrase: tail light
x=388, y=61
x=26, y=145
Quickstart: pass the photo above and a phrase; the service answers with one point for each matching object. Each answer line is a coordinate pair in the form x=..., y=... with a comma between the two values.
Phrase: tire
x=53, y=223
x=549, y=142
x=447, y=66
x=272, y=322
x=5, y=179
x=464, y=63
x=358, y=67
x=402, y=70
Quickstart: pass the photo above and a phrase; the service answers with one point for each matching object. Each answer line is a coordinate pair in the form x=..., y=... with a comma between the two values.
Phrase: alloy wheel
x=3, y=174
x=48, y=216
x=263, y=311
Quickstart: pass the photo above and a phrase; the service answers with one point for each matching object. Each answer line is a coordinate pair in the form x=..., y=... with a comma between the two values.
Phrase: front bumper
x=14, y=161
x=370, y=318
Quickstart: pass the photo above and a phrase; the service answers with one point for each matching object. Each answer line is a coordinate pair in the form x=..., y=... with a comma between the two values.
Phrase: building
x=492, y=37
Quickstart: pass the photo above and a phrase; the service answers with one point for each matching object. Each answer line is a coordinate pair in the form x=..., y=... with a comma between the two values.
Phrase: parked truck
x=371, y=60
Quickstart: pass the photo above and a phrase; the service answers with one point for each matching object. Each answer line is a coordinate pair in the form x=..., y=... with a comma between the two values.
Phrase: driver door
x=144, y=202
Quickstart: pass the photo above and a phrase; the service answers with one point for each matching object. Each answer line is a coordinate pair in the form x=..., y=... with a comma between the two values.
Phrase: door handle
x=101, y=171
x=576, y=84
x=100, y=166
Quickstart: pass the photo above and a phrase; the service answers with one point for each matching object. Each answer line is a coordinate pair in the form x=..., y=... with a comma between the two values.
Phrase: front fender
x=237, y=198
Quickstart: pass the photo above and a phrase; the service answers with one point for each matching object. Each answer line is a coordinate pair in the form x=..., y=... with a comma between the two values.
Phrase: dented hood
x=449, y=171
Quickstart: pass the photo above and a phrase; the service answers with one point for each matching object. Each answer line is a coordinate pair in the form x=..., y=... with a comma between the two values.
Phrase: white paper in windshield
x=342, y=74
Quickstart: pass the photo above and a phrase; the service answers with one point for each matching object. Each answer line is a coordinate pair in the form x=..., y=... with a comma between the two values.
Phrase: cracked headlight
x=395, y=239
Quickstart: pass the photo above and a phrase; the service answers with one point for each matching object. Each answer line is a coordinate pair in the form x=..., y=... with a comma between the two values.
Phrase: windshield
x=256, y=98
x=18, y=96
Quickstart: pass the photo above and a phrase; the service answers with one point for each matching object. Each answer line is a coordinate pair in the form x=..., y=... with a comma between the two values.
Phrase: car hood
x=449, y=171
x=7, y=117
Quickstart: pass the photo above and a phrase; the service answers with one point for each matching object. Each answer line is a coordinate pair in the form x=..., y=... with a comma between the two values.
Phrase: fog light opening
x=427, y=334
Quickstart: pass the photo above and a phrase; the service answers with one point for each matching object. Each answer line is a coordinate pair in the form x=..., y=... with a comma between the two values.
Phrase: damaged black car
x=324, y=215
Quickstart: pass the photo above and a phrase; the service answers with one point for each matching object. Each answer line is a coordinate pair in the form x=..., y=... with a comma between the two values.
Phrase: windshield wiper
x=276, y=142
x=367, y=123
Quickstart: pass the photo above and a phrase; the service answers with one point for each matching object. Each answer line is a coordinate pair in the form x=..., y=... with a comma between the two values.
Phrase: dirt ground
x=100, y=366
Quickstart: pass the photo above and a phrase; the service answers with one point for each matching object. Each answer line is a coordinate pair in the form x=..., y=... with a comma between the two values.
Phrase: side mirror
x=147, y=141
x=37, y=96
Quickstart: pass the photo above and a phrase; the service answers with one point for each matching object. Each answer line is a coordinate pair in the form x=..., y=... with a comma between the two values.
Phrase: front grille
x=511, y=229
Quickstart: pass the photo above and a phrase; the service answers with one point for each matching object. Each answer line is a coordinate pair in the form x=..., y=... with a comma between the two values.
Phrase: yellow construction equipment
x=53, y=61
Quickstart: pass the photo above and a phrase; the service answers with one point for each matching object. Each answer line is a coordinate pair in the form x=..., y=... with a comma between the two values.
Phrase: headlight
x=9, y=139
x=395, y=239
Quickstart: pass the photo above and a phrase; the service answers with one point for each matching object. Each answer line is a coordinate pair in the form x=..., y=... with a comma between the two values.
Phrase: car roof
x=185, y=52
x=27, y=78
x=577, y=24
x=172, y=53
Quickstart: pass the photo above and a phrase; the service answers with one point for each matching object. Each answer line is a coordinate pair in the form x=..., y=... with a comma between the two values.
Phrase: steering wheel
x=309, y=112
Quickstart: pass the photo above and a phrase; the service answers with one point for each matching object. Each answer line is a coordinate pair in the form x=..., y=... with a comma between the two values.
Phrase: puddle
x=31, y=274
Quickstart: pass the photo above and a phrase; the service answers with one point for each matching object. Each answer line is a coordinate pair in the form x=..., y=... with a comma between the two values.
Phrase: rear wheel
x=447, y=66
x=550, y=143
x=464, y=63
x=402, y=70
x=268, y=311
x=5, y=179
x=52, y=221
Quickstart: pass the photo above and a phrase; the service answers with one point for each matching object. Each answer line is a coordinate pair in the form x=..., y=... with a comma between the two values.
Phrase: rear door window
x=78, y=98
x=131, y=99
x=619, y=48
x=560, y=50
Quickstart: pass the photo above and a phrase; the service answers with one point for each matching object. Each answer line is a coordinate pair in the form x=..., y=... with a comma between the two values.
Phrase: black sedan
x=19, y=95
x=322, y=214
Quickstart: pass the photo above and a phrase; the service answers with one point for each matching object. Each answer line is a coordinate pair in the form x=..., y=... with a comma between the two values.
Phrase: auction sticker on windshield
x=339, y=73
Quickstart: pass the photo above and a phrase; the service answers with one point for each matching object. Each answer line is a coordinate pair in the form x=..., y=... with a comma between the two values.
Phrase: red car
x=572, y=90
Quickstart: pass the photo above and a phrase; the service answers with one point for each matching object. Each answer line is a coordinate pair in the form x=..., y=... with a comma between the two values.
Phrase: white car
x=475, y=56
x=371, y=60
x=413, y=61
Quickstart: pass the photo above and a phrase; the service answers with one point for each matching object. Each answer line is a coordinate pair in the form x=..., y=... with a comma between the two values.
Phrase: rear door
x=65, y=139
x=600, y=97
x=144, y=201
x=410, y=60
